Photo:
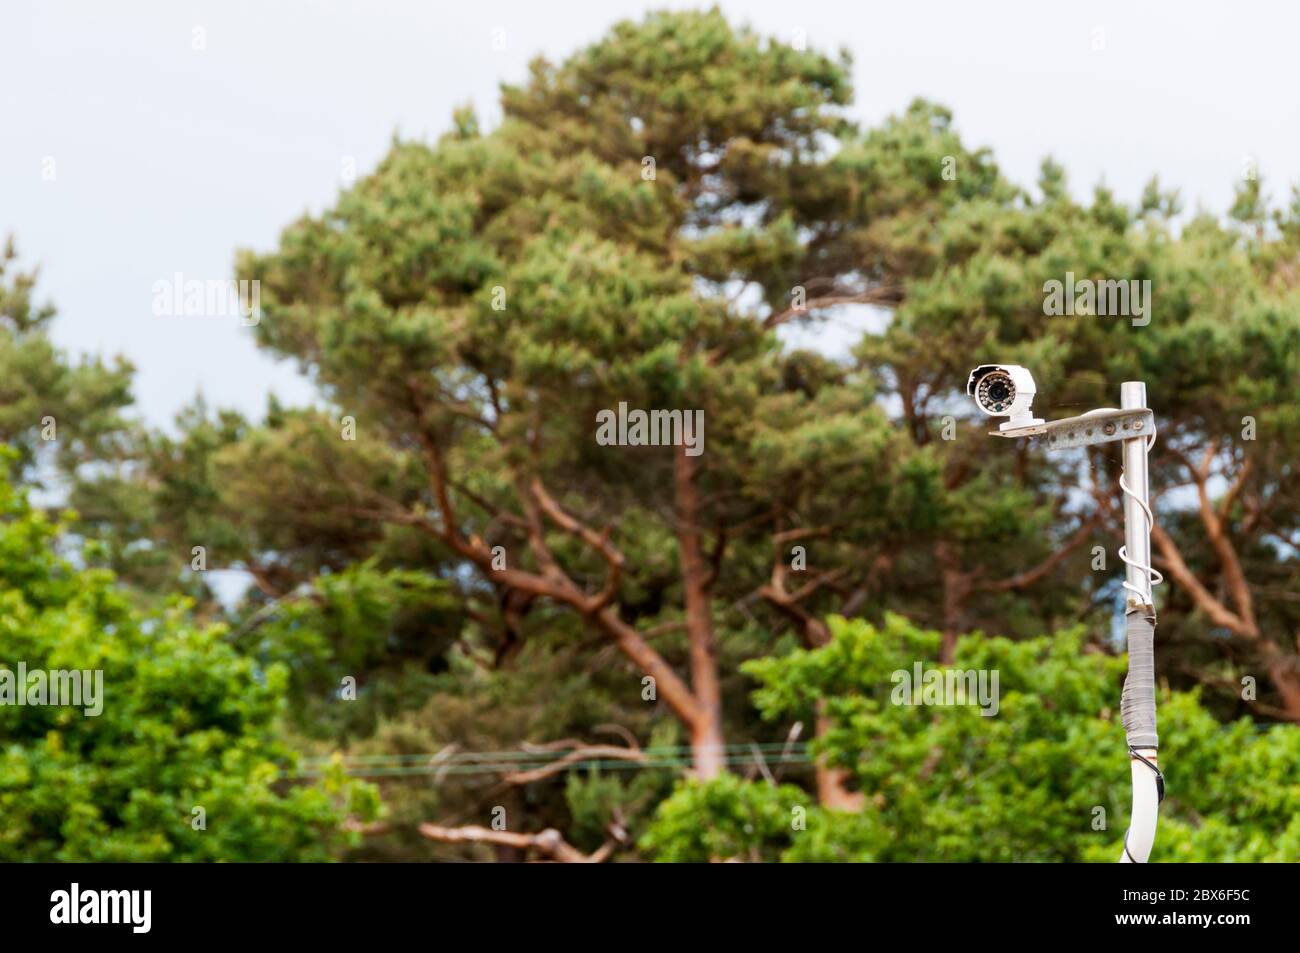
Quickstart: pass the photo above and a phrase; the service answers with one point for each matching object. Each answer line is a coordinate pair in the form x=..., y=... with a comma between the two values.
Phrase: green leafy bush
x=187, y=723
x=1044, y=779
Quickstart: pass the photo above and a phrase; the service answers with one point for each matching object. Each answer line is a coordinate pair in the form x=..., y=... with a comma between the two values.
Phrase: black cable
x=1160, y=794
x=1160, y=778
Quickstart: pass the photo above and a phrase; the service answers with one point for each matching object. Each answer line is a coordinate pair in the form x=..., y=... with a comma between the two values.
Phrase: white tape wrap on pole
x=1138, y=702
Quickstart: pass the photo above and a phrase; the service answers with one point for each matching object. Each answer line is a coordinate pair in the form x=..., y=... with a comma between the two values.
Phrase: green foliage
x=187, y=722
x=724, y=819
x=48, y=399
x=602, y=803
x=386, y=630
x=949, y=784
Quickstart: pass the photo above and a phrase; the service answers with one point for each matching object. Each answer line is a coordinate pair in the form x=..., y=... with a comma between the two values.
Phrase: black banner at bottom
x=574, y=903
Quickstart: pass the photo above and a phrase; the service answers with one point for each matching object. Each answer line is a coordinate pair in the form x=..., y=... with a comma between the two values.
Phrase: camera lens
x=996, y=392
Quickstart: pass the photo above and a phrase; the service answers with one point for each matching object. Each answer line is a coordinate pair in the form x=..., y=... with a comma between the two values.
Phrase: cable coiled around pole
x=1154, y=576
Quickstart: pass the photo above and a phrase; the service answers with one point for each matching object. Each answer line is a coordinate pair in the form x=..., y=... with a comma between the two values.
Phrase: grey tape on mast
x=1138, y=702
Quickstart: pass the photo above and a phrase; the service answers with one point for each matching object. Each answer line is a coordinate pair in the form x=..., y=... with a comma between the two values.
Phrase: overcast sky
x=166, y=158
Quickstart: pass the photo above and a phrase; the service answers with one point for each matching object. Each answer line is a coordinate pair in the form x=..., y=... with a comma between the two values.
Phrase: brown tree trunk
x=707, y=750
x=1285, y=676
x=706, y=731
x=833, y=783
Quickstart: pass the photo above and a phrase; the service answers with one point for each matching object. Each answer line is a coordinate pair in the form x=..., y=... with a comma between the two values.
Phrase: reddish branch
x=1236, y=611
x=959, y=584
x=698, y=704
x=576, y=756
x=882, y=295
x=598, y=541
x=835, y=295
x=1234, y=688
x=812, y=628
x=1031, y=576
x=549, y=842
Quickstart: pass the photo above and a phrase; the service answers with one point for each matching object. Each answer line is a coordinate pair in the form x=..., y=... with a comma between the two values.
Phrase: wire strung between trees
x=514, y=762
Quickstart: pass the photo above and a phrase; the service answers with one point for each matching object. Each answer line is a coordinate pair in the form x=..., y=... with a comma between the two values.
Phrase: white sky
x=167, y=159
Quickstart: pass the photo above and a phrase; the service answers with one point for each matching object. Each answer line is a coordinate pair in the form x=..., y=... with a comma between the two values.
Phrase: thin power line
x=510, y=762
x=526, y=755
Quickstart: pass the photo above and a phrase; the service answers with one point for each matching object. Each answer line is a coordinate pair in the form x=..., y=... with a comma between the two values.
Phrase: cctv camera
x=1004, y=390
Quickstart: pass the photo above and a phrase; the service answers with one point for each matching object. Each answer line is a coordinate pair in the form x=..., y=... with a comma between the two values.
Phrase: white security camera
x=1004, y=390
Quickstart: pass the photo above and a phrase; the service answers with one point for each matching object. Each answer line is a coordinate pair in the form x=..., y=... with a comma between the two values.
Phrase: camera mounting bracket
x=1097, y=426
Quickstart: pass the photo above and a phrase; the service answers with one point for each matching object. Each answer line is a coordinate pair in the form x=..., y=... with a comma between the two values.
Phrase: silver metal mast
x=1137, y=527
x=1138, y=701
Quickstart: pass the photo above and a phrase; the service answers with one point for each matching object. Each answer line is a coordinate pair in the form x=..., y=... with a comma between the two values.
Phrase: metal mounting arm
x=1094, y=427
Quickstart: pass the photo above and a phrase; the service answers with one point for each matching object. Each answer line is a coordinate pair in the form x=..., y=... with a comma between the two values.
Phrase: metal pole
x=1138, y=703
x=1137, y=531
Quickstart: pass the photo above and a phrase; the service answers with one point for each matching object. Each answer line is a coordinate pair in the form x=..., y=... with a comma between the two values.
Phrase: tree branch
x=885, y=294
x=1233, y=574
x=597, y=541
x=1217, y=612
x=1031, y=576
x=549, y=842
x=577, y=755
x=555, y=584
